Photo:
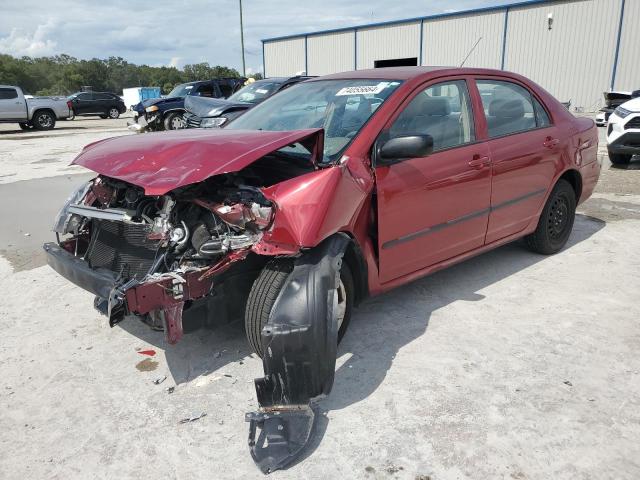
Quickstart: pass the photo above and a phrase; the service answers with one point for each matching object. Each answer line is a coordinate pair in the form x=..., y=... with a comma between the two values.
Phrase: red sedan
x=338, y=188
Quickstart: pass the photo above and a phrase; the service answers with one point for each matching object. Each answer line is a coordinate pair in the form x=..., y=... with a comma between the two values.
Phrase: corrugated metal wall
x=387, y=42
x=284, y=57
x=574, y=59
x=330, y=53
x=628, y=72
x=447, y=41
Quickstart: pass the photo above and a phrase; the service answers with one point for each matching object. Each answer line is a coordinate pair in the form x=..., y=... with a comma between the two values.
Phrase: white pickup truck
x=40, y=113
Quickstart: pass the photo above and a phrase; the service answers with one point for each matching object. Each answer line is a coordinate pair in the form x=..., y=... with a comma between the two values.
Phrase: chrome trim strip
x=103, y=214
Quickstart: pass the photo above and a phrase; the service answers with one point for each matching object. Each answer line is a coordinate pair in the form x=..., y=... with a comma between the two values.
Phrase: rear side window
x=226, y=89
x=510, y=108
x=8, y=93
x=206, y=90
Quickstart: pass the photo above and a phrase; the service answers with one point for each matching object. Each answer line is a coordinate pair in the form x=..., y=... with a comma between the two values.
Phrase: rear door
x=12, y=106
x=433, y=208
x=524, y=146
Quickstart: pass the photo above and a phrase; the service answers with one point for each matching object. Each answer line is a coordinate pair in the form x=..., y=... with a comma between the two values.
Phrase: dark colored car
x=102, y=104
x=337, y=188
x=213, y=112
x=165, y=113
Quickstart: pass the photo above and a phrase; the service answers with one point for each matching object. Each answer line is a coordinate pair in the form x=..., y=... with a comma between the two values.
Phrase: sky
x=175, y=32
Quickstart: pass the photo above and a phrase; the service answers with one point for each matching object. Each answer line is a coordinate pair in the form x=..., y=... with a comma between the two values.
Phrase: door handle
x=479, y=161
x=550, y=142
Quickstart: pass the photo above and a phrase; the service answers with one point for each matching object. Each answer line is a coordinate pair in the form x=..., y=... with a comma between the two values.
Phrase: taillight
x=69, y=104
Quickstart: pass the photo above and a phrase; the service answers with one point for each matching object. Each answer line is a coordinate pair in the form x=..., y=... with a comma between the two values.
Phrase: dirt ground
x=511, y=365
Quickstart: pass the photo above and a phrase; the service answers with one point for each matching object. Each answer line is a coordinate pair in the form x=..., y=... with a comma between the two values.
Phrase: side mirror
x=400, y=148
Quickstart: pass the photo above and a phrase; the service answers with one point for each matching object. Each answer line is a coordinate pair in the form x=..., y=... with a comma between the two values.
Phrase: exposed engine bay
x=166, y=240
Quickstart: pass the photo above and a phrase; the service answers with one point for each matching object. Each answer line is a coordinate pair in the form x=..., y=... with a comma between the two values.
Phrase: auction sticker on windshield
x=362, y=89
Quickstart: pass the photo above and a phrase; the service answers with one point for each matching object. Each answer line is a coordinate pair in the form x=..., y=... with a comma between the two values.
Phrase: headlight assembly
x=151, y=109
x=622, y=112
x=216, y=122
x=63, y=223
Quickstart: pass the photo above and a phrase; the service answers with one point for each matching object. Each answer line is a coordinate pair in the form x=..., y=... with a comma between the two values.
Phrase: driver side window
x=442, y=111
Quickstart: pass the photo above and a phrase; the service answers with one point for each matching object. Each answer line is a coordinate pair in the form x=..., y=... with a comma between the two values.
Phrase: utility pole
x=244, y=68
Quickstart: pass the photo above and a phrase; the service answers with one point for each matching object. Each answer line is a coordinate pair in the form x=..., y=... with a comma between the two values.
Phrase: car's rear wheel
x=44, y=120
x=619, y=158
x=24, y=126
x=556, y=221
x=173, y=121
x=114, y=113
x=265, y=291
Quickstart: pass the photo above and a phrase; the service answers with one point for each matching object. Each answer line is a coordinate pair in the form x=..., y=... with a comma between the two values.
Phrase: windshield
x=340, y=107
x=254, y=93
x=180, y=91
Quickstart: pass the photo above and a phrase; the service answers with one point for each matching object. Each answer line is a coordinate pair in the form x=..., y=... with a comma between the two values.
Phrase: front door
x=433, y=208
x=84, y=103
x=524, y=146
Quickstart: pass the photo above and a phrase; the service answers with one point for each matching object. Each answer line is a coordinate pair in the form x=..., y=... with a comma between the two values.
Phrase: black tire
x=619, y=158
x=44, y=120
x=556, y=221
x=113, y=113
x=24, y=126
x=265, y=290
x=173, y=121
x=104, y=117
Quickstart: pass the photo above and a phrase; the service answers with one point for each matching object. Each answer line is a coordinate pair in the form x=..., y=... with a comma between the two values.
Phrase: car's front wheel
x=619, y=158
x=173, y=121
x=556, y=221
x=265, y=291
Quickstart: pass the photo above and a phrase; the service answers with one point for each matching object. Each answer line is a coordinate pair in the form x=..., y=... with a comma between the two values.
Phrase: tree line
x=64, y=74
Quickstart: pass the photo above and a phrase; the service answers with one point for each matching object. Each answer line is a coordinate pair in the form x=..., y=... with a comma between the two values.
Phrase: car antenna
x=470, y=51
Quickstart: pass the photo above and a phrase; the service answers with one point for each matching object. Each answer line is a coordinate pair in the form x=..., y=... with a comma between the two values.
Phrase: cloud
x=19, y=43
x=175, y=62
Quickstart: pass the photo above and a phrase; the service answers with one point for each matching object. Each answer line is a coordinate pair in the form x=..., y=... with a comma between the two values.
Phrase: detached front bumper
x=142, y=122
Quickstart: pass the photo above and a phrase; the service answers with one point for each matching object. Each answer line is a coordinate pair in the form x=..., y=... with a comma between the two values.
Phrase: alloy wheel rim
x=113, y=113
x=44, y=120
x=177, y=123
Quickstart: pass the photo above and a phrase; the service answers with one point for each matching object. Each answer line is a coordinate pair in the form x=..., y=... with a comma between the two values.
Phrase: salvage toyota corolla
x=337, y=188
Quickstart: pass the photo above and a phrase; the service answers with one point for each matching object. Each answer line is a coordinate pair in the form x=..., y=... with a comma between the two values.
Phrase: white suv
x=623, y=132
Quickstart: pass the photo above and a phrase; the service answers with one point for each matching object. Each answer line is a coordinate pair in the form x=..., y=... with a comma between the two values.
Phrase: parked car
x=40, y=113
x=612, y=100
x=166, y=113
x=337, y=188
x=102, y=104
x=623, y=132
x=202, y=112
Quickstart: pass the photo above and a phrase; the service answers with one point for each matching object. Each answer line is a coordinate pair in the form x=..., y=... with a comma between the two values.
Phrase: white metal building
x=576, y=49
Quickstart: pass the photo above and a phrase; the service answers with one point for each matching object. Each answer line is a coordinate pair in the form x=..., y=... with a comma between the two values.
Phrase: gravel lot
x=511, y=365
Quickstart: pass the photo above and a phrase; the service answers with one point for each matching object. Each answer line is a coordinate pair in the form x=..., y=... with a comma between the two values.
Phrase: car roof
x=407, y=73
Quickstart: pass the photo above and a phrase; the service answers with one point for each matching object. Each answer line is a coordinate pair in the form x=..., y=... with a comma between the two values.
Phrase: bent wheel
x=266, y=288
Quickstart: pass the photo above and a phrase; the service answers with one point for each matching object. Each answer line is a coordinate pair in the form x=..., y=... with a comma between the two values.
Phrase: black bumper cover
x=100, y=282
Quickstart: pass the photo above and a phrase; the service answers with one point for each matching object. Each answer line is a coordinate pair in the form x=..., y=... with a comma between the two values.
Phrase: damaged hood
x=160, y=162
x=204, y=107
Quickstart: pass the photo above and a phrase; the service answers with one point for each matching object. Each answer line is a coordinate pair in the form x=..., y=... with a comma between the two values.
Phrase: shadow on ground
x=373, y=339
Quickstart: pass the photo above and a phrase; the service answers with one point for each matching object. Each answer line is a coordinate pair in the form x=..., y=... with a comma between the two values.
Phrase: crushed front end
x=160, y=257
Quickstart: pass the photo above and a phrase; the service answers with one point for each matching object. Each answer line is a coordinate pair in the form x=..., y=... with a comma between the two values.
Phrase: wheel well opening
x=575, y=180
x=48, y=110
